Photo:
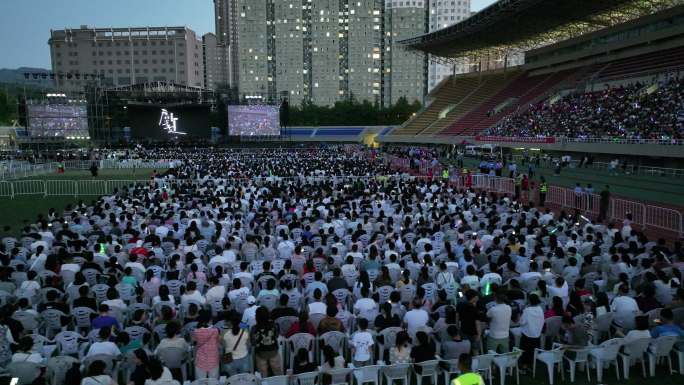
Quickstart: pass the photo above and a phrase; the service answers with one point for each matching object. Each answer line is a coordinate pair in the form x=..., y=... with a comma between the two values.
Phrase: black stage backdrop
x=193, y=120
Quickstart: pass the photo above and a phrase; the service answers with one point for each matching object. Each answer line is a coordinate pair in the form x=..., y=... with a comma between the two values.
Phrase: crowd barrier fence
x=18, y=170
x=618, y=209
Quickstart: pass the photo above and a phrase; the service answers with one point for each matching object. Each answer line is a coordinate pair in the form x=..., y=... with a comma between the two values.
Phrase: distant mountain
x=17, y=76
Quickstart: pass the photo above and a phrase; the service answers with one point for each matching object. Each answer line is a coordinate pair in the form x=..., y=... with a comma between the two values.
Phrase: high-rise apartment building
x=404, y=70
x=442, y=14
x=325, y=51
x=227, y=38
x=215, y=63
x=125, y=56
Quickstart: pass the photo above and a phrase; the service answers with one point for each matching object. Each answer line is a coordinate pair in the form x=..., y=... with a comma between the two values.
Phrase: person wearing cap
x=249, y=316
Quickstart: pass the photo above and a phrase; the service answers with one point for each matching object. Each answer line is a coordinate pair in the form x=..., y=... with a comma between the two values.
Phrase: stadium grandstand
x=574, y=50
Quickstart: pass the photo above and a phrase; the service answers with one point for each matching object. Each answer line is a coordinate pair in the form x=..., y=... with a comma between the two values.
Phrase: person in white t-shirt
x=216, y=292
x=362, y=344
x=317, y=306
x=104, y=346
x=624, y=306
x=192, y=294
x=365, y=306
x=531, y=325
x=499, y=324
x=416, y=317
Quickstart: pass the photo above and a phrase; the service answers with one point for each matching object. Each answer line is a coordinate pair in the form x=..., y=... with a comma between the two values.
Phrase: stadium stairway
x=489, y=85
x=449, y=92
x=525, y=89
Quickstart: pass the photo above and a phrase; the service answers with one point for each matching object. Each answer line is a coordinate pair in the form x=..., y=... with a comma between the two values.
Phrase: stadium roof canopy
x=520, y=25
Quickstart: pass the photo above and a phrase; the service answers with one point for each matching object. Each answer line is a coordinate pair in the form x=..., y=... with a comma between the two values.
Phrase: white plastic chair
x=680, y=358
x=367, y=374
x=26, y=372
x=581, y=358
x=632, y=352
x=276, y=380
x=551, y=358
x=308, y=378
x=449, y=369
x=242, y=379
x=428, y=369
x=300, y=341
x=660, y=348
x=508, y=361
x=482, y=364
x=341, y=376
x=603, y=323
x=396, y=372
x=606, y=353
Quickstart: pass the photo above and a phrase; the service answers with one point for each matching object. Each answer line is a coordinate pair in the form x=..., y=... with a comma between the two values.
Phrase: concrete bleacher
x=450, y=92
x=489, y=85
x=524, y=89
x=454, y=98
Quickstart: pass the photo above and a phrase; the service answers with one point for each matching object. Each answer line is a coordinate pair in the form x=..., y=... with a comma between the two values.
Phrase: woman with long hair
x=556, y=309
x=400, y=353
x=236, y=343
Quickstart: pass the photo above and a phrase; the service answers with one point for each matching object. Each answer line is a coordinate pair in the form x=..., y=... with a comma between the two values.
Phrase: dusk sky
x=25, y=24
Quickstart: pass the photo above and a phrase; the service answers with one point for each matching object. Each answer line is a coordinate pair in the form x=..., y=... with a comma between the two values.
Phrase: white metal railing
x=19, y=170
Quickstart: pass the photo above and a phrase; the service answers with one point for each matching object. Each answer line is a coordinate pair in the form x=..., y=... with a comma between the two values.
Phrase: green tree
x=8, y=108
x=350, y=112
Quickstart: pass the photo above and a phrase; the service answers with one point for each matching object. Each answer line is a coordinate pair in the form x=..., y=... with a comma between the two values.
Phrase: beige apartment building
x=125, y=56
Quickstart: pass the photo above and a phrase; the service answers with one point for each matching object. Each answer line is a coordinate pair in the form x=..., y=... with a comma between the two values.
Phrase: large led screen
x=253, y=120
x=58, y=120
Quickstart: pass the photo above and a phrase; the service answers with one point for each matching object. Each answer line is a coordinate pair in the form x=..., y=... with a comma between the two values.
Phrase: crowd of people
x=297, y=261
x=631, y=112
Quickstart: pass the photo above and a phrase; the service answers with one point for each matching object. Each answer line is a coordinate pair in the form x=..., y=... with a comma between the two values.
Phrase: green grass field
x=23, y=210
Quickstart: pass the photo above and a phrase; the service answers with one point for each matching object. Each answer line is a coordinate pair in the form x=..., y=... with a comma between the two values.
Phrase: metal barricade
x=6, y=189
x=29, y=187
x=119, y=184
x=60, y=187
x=91, y=187
x=620, y=209
x=556, y=195
x=663, y=218
x=480, y=181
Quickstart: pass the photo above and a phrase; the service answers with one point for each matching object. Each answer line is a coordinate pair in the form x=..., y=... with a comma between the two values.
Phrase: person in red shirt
x=301, y=326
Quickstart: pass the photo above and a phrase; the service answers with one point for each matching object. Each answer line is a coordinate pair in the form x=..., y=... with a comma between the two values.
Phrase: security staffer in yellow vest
x=543, y=189
x=445, y=174
x=467, y=377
